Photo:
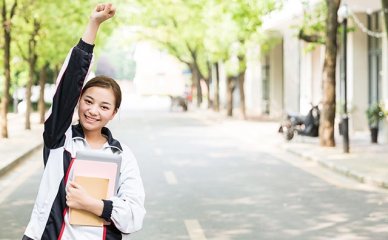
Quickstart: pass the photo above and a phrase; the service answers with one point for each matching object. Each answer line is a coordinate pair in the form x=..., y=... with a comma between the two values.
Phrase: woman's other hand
x=78, y=198
x=103, y=12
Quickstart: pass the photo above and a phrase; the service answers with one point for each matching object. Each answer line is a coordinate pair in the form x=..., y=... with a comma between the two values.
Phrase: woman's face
x=96, y=108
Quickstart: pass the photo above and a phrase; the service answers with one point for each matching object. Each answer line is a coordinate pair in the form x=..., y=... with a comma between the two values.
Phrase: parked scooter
x=302, y=125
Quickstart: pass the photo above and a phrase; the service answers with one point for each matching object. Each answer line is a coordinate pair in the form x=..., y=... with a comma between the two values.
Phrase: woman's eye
x=105, y=108
x=88, y=101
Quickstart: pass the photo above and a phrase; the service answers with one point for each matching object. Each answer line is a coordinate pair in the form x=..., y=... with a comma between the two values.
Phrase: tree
x=31, y=59
x=221, y=32
x=326, y=128
x=247, y=20
x=7, y=15
x=178, y=28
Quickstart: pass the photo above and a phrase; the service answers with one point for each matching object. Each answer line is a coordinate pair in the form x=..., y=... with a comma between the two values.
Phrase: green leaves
x=312, y=29
x=192, y=30
x=207, y=28
x=375, y=113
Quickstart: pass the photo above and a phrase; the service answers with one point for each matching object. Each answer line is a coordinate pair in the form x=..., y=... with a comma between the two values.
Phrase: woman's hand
x=102, y=12
x=78, y=198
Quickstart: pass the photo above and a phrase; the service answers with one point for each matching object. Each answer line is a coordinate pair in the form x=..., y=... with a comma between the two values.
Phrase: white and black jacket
x=49, y=218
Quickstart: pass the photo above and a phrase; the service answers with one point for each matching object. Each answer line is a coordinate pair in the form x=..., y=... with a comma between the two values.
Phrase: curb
x=342, y=170
x=11, y=164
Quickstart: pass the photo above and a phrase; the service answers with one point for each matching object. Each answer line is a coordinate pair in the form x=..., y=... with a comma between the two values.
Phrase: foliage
x=375, y=113
x=208, y=28
x=313, y=26
x=247, y=17
x=192, y=30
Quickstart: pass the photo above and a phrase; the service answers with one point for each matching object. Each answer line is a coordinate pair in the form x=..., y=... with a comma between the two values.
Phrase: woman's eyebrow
x=106, y=103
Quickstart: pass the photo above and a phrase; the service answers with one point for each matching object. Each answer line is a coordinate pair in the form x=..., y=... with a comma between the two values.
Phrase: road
x=212, y=178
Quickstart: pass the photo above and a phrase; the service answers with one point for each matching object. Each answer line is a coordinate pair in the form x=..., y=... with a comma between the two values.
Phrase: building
x=289, y=78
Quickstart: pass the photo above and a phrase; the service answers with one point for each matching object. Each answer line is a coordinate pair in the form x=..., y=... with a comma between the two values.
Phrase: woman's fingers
x=107, y=7
x=112, y=11
x=74, y=185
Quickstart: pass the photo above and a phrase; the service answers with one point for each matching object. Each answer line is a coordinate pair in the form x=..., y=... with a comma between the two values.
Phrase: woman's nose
x=93, y=110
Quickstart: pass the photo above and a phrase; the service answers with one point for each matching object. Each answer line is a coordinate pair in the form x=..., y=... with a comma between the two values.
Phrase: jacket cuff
x=85, y=46
x=107, y=210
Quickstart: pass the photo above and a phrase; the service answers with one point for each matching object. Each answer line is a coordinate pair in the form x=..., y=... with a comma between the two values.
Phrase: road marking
x=194, y=229
x=19, y=181
x=170, y=177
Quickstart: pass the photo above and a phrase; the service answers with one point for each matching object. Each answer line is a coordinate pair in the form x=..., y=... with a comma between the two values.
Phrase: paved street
x=211, y=178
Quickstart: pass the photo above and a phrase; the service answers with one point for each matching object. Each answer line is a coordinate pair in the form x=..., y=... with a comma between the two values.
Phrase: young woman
x=98, y=101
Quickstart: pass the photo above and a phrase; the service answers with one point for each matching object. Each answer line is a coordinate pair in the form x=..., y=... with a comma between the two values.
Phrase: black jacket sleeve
x=67, y=94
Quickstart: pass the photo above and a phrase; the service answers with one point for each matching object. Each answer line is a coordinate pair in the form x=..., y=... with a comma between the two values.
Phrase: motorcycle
x=302, y=125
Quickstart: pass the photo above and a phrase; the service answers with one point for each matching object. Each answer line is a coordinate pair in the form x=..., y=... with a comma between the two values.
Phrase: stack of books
x=98, y=173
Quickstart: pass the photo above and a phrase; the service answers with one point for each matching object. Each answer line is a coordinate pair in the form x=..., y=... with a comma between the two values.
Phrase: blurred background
x=250, y=119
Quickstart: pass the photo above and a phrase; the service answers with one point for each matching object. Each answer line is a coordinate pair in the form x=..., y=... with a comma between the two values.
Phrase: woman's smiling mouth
x=90, y=119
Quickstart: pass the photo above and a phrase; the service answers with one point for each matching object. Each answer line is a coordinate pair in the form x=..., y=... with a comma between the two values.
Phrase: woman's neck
x=95, y=139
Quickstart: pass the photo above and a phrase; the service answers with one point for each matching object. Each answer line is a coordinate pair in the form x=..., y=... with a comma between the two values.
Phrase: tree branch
x=13, y=9
x=311, y=38
x=175, y=50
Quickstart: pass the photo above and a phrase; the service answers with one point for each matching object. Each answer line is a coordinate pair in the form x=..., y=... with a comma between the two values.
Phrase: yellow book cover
x=97, y=188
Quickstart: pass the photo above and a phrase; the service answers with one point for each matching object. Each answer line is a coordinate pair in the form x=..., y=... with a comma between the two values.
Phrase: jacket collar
x=79, y=133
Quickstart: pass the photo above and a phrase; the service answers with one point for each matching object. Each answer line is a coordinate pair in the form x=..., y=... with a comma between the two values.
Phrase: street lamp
x=343, y=14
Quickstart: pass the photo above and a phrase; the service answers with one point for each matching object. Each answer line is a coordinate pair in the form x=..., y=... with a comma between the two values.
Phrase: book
x=97, y=188
x=95, y=163
x=95, y=169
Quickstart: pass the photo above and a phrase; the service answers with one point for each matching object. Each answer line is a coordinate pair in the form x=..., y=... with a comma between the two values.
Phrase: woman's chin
x=90, y=126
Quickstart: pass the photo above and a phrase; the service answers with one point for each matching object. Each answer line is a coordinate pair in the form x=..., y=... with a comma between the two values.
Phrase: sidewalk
x=21, y=142
x=366, y=162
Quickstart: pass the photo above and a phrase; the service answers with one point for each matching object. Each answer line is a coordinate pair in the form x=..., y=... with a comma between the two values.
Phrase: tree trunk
x=195, y=76
x=326, y=129
x=229, y=95
x=7, y=81
x=31, y=64
x=216, y=83
x=208, y=81
x=41, y=104
x=241, y=81
x=7, y=71
x=7, y=68
x=209, y=101
x=27, y=123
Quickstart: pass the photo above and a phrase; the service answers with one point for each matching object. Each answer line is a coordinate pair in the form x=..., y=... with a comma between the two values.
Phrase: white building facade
x=290, y=77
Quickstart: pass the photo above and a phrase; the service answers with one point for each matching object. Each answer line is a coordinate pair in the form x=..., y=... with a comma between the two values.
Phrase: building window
x=374, y=58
